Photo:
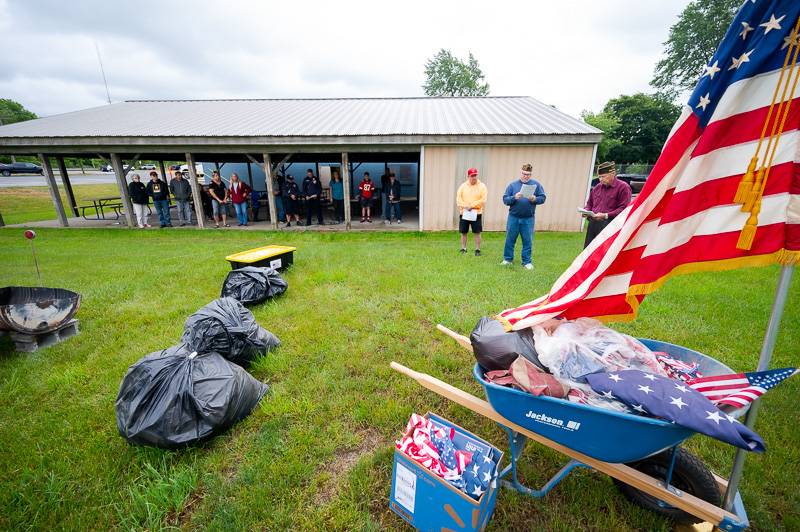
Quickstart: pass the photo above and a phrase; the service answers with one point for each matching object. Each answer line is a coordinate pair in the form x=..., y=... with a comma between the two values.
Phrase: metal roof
x=297, y=118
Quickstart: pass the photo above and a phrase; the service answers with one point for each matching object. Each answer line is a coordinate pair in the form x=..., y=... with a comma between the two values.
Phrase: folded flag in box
x=433, y=447
x=674, y=401
x=739, y=389
x=478, y=475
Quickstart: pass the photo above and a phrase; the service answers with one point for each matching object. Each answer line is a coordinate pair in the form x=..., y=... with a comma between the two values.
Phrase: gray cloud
x=574, y=54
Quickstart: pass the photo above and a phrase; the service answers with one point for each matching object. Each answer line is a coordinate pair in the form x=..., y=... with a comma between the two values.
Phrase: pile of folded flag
x=432, y=446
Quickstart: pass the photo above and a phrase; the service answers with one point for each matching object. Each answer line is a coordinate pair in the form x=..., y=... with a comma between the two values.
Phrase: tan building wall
x=563, y=171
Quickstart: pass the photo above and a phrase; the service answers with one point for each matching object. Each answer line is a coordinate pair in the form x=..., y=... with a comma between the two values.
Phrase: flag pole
x=770, y=337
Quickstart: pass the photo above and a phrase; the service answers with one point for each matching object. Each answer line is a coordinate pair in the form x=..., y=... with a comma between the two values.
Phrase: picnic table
x=100, y=205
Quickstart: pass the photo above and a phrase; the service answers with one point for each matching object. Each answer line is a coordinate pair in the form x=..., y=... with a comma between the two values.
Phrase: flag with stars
x=674, y=401
x=479, y=475
x=740, y=389
x=690, y=215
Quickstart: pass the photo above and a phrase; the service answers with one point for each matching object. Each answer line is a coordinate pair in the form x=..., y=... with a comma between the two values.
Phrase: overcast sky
x=568, y=53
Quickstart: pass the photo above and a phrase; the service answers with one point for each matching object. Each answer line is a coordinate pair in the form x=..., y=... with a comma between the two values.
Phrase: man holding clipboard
x=471, y=197
x=522, y=196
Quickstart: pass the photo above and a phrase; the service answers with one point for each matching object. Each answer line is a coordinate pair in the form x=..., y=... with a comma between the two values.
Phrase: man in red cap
x=471, y=197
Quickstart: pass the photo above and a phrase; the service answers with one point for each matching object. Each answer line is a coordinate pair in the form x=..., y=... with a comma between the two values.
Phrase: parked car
x=106, y=168
x=147, y=166
x=20, y=168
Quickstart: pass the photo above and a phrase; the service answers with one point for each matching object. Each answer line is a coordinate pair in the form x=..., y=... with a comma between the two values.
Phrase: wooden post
x=163, y=171
x=2, y=223
x=122, y=183
x=62, y=167
x=273, y=215
x=346, y=181
x=198, y=202
x=51, y=182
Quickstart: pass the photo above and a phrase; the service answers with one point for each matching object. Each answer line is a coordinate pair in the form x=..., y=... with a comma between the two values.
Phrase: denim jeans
x=515, y=227
x=162, y=208
x=184, y=211
x=394, y=208
x=241, y=212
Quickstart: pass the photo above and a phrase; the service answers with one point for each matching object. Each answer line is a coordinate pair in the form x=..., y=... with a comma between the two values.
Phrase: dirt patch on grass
x=344, y=460
x=185, y=516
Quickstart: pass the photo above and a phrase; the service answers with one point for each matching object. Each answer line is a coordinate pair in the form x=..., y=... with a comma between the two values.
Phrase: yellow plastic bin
x=272, y=256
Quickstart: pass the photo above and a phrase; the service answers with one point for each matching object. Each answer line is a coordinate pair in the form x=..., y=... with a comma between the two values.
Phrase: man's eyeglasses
x=526, y=173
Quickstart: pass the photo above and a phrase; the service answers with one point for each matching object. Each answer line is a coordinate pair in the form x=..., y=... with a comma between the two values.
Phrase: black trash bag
x=495, y=348
x=174, y=397
x=252, y=285
x=224, y=326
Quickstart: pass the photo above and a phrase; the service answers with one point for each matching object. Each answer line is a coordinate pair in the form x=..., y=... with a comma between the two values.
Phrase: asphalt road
x=75, y=177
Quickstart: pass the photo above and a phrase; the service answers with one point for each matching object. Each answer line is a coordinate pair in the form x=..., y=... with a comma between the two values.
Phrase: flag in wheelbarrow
x=725, y=191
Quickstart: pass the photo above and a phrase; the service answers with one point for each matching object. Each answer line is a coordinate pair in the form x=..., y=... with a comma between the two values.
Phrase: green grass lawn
x=30, y=204
x=317, y=453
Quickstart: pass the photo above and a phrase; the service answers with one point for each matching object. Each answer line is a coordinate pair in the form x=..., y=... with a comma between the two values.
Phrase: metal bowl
x=34, y=310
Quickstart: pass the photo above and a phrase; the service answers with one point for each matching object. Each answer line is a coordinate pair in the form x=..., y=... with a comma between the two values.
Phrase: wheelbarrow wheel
x=689, y=475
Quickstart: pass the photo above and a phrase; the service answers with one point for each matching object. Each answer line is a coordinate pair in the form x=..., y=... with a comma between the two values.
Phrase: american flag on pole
x=739, y=389
x=700, y=209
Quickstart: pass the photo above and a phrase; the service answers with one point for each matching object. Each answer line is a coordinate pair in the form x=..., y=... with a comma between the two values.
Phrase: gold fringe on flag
x=506, y=324
x=788, y=257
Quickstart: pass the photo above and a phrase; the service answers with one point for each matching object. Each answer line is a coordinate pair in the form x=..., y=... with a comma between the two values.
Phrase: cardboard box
x=428, y=502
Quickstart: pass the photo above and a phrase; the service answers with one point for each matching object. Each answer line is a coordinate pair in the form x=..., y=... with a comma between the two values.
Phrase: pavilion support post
x=163, y=171
x=196, y=198
x=51, y=182
x=273, y=214
x=62, y=168
x=346, y=182
x=122, y=183
x=2, y=223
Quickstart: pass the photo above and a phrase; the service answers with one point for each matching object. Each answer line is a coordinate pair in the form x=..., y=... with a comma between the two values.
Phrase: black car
x=20, y=168
x=636, y=181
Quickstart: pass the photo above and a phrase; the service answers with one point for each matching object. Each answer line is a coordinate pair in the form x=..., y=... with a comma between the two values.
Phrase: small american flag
x=739, y=389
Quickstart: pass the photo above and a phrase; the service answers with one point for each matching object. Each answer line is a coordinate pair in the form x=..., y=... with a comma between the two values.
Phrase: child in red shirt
x=365, y=191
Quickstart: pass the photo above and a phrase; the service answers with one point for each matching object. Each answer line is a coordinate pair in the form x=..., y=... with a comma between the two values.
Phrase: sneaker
x=387, y=222
x=288, y=224
x=528, y=266
x=505, y=263
x=369, y=220
x=399, y=222
x=148, y=225
x=363, y=220
x=477, y=253
x=463, y=251
x=140, y=226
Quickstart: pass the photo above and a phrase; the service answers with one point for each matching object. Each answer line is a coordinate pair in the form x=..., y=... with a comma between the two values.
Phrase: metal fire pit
x=33, y=310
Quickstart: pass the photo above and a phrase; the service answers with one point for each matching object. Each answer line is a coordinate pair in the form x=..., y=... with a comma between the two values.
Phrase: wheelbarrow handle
x=460, y=338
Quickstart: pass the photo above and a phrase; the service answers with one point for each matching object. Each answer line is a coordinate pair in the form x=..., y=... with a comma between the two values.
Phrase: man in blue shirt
x=521, y=215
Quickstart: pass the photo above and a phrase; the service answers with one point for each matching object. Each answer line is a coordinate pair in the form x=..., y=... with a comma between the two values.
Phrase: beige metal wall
x=563, y=171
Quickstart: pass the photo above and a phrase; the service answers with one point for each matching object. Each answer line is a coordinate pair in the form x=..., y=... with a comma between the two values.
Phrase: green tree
x=608, y=124
x=11, y=111
x=691, y=43
x=635, y=127
x=447, y=75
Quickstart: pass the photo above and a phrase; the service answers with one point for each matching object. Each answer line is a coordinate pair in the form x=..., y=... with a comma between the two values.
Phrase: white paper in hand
x=470, y=215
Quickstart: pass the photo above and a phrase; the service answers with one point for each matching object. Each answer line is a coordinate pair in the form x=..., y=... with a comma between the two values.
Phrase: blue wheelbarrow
x=642, y=455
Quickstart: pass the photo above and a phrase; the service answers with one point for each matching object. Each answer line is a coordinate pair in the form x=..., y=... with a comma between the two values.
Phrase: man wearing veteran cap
x=470, y=198
x=522, y=196
x=606, y=200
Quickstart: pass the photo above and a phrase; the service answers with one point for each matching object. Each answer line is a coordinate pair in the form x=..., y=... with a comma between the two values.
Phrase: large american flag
x=685, y=219
x=739, y=389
